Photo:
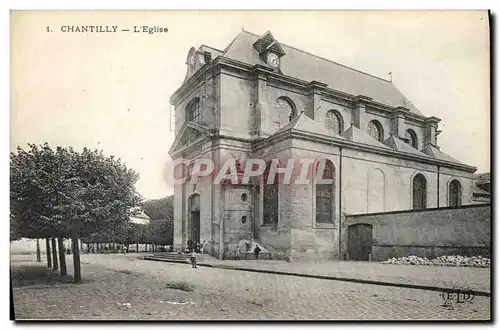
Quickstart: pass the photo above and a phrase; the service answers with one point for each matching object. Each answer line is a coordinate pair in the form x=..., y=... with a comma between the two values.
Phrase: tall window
x=270, y=198
x=283, y=113
x=334, y=122
x=325, y=194
x=419, y=192
x=375, y=130
x=455, y=193
x=193, y=110
x=411, y=136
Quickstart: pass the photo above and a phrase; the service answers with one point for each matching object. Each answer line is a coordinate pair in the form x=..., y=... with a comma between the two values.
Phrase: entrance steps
x=179, y=257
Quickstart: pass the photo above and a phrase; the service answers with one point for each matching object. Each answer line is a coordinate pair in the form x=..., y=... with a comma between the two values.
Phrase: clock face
x=273, y=60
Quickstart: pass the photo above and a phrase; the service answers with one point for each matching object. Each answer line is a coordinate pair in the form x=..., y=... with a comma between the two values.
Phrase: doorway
x=359, y=241
x=195, y=226
x=194, y=218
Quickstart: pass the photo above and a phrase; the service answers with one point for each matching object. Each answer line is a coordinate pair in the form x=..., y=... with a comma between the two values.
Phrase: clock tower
x=270, y=51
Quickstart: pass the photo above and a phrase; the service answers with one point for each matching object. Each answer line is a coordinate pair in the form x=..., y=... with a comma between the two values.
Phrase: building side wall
x=431, y=233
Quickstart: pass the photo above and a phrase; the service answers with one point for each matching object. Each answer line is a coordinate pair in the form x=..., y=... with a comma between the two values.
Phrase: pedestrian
x=125, y=250
x=171, y=248
x=238, y=252
x=193, y=258
x=256, y=251
x=201, y=247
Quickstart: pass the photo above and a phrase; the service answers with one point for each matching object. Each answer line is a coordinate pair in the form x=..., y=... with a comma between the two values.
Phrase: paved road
x=111, y=280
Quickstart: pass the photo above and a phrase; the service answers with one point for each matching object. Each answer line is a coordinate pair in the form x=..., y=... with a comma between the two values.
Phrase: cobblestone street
x=124, y=287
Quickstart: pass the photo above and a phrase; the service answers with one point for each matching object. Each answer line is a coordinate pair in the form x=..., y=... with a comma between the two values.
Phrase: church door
x=359, y=241
x=195, y=226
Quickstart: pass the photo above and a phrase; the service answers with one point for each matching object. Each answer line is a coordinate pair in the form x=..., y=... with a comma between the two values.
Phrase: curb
x=335, y=278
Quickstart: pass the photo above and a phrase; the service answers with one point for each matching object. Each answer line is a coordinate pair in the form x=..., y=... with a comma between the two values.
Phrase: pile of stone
x=450, y=261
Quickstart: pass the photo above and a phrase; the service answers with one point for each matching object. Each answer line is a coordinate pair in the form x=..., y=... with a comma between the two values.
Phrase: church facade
x=260, y=99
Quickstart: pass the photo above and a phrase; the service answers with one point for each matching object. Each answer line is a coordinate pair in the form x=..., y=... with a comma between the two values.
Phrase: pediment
x=190, y=134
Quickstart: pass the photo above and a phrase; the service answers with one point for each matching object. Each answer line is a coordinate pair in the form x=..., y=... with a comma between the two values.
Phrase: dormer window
x=269, y=49
x=193, y=110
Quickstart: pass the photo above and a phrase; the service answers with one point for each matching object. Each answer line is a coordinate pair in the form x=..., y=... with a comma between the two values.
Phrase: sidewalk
x=435, y=278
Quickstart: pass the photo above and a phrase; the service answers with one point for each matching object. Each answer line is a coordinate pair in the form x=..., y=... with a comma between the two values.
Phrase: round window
x=244, y=197
x=244, y=219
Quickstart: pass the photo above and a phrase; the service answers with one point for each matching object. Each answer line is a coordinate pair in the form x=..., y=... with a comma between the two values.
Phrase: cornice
x=291, y=133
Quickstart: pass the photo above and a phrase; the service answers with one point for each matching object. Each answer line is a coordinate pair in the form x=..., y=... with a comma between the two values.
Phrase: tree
x=67, y=194
x=160, y=229
x=158, y=209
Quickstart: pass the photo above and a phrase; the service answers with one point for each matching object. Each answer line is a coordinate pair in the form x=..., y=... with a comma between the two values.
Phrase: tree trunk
x=55, y=265
x=38, y=256
x=81, y=246
x=76, y=259
x=62, y=256
x=136, y=247
x=114, y=246
x=49, y=257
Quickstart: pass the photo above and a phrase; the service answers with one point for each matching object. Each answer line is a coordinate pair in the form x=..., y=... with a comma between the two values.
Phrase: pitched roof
x=399, y=145
x=432, y=151
x=302, y=122
x=355, y=134
x=308, y=67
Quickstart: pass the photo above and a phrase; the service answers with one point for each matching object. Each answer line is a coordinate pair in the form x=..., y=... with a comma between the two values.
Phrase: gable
x=356, y=135
x=190, y=134
x=399, y=145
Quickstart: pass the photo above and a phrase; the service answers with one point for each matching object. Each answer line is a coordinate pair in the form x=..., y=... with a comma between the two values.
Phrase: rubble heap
x=450, y=261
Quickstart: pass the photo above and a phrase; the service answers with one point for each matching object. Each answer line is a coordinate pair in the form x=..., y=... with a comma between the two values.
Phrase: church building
x=261, y=99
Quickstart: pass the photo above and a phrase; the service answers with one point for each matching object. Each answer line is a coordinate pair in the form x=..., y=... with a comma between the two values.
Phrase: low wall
x=426, y=233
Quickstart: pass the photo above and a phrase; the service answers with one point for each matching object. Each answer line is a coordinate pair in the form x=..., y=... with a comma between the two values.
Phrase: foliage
x=159, y=209
x=65, y=193
x=160, y=230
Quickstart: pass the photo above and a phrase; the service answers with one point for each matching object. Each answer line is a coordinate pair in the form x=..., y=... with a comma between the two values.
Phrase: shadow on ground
x=28, y=275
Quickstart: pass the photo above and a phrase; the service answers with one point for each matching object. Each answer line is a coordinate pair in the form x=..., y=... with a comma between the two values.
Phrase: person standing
x=238, y=252
x=256, y=251
x=193, y=258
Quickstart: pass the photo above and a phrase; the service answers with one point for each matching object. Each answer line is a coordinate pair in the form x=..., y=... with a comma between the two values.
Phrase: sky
x=111, y=90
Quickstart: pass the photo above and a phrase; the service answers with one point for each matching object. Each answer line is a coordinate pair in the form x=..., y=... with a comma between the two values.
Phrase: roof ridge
x=325, y=59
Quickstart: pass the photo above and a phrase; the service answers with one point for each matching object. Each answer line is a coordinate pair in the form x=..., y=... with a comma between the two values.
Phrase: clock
x=273, y=60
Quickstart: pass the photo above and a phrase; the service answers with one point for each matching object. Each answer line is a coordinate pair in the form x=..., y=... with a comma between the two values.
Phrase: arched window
x=375, y=130
x=270, y=198
x=325, y=193
x=193, y=110
x=283, y=113
x=334, y=122
x=419, y=192
x=411, y=136
x=455, y=194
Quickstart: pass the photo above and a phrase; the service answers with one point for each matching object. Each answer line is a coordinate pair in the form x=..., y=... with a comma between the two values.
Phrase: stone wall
x=429, y=233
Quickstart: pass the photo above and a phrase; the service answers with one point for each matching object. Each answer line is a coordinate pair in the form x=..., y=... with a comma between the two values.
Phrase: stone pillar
x=314, y=92
x=430, y=131
x=358, y=112
x=398, y=126
x=262, y=116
